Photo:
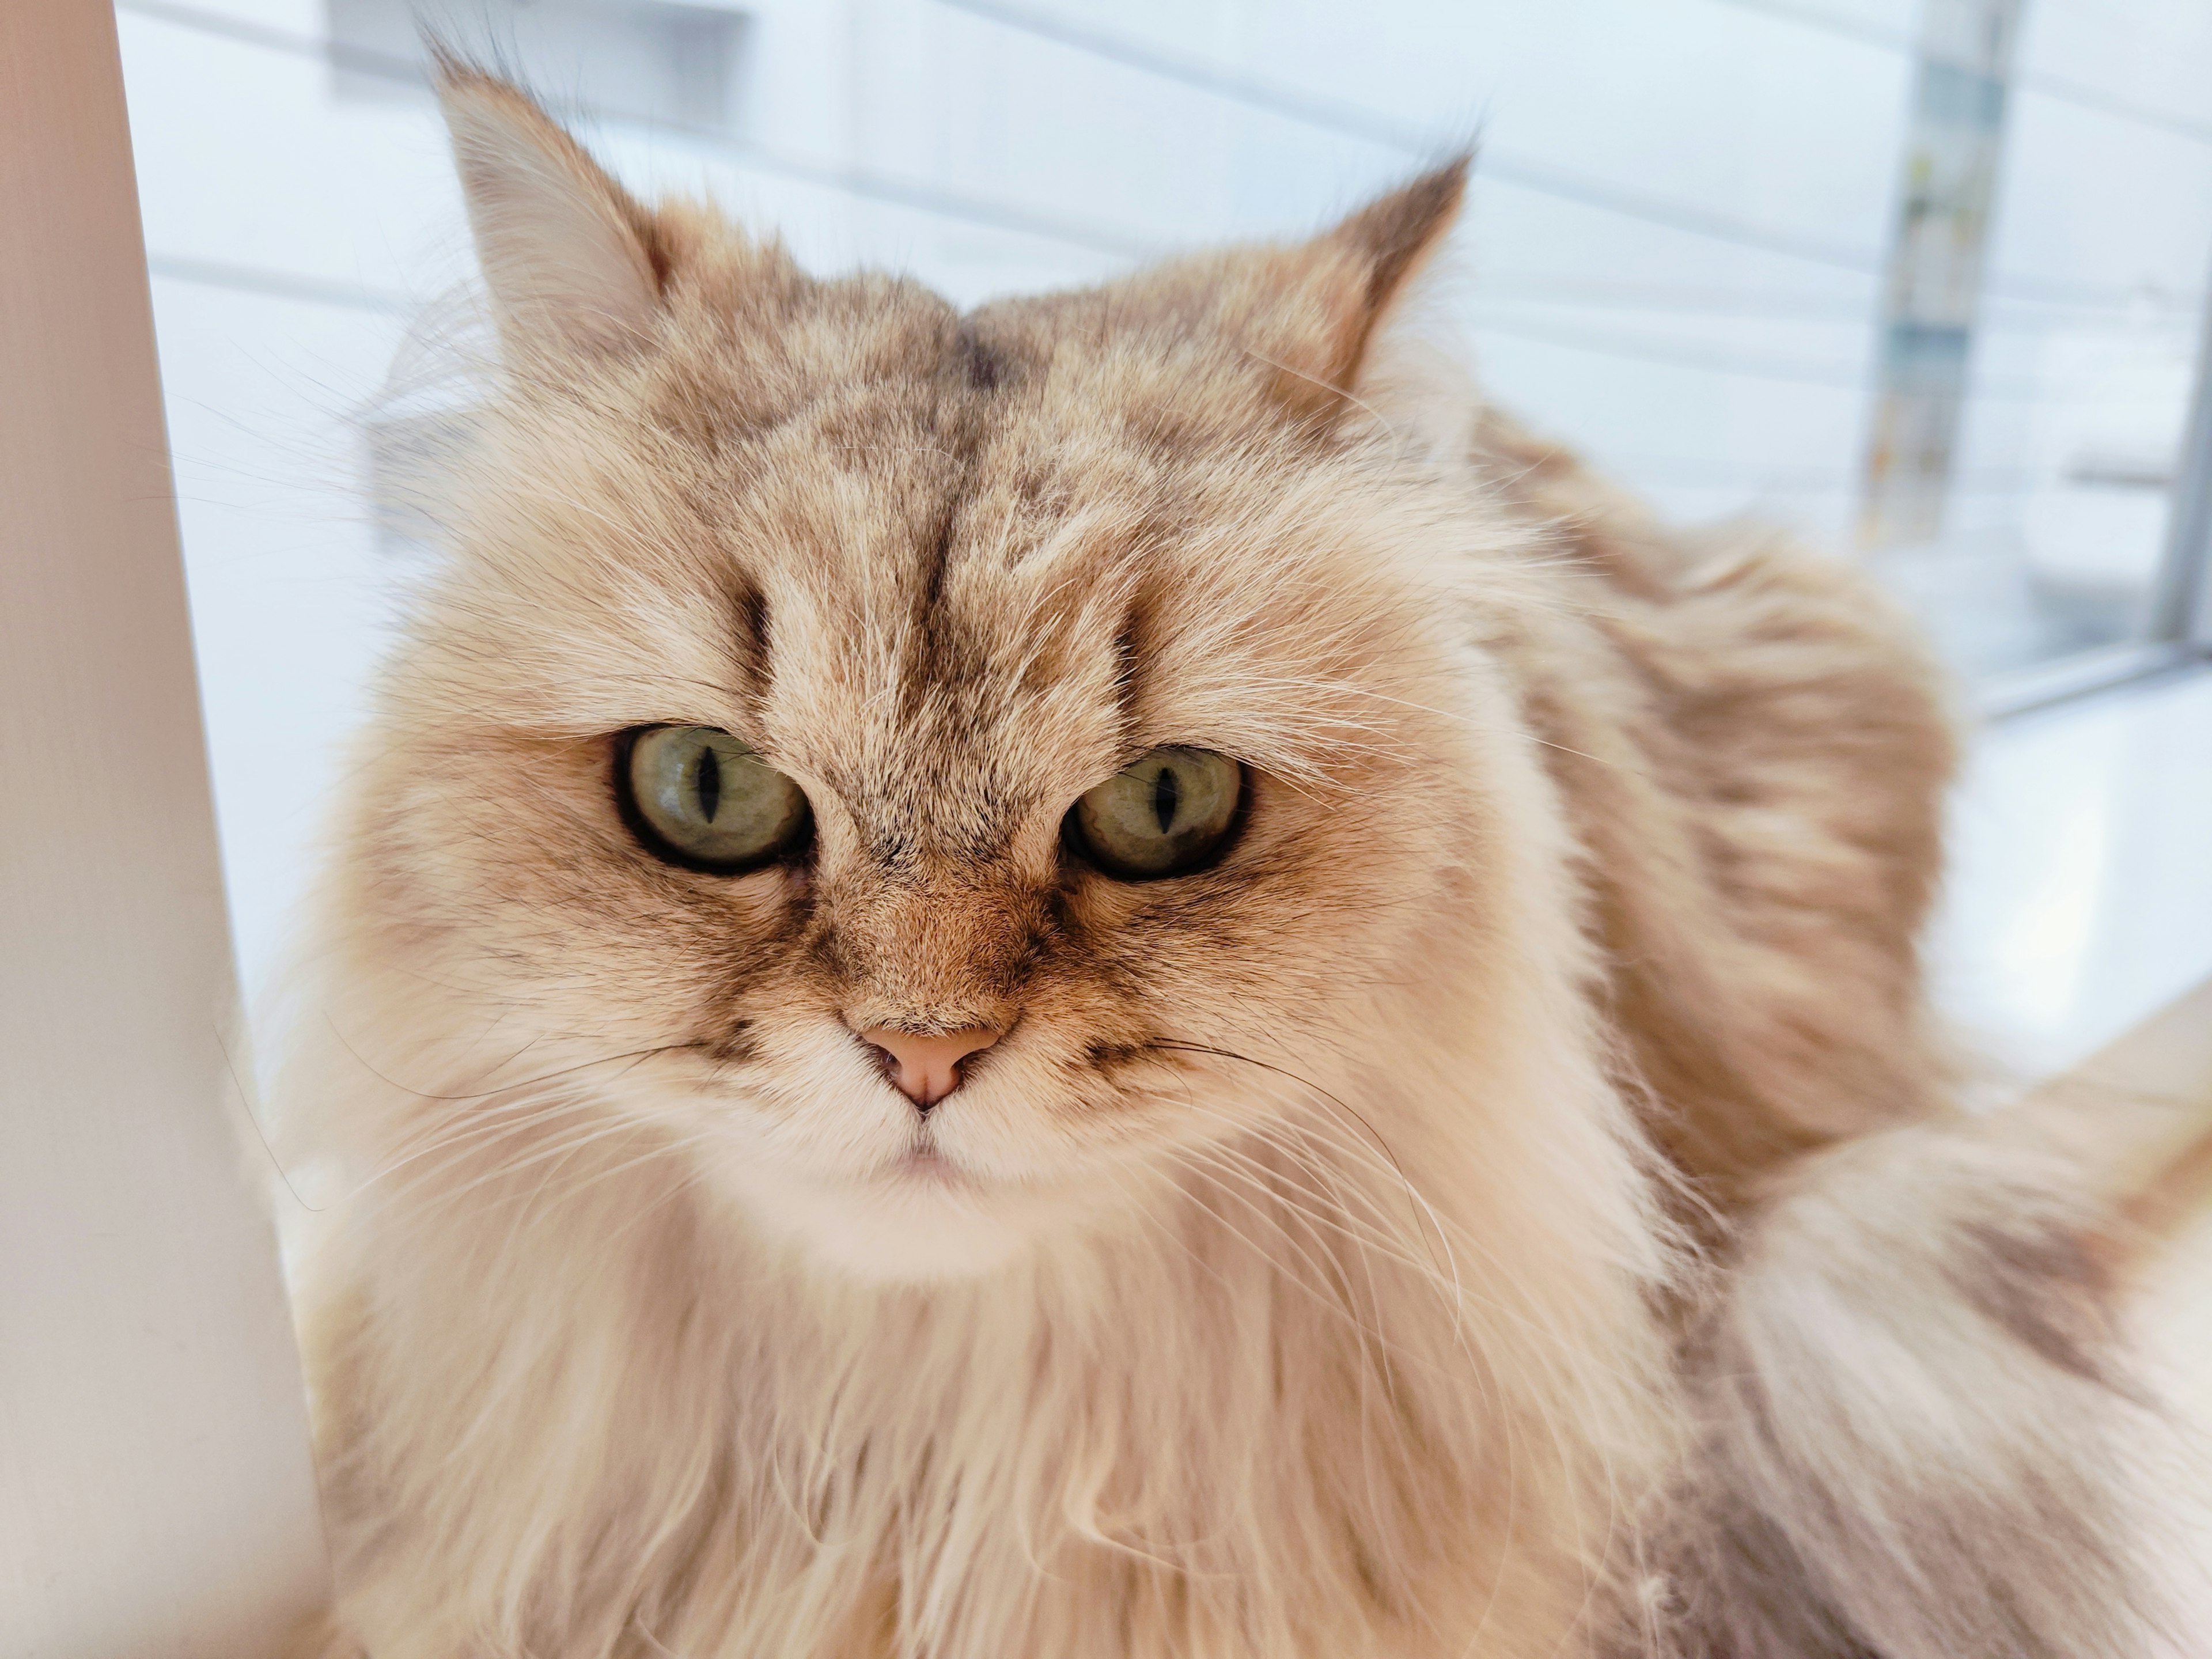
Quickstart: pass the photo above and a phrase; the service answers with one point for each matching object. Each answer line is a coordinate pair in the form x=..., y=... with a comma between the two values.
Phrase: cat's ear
x=568, y=254
x=1412, y=376
x=1348, y=284
x=1383, y=251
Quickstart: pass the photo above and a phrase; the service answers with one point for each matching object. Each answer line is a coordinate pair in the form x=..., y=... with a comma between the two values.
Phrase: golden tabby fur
x=1409, y=1236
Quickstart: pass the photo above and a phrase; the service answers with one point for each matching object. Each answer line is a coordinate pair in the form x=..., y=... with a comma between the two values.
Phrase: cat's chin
x=921, y=1222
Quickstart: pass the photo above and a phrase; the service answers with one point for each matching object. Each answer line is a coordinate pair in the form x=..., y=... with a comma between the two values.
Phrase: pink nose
x=925, y=1069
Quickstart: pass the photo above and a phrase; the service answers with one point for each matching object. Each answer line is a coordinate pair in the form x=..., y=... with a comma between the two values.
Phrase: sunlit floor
x=2079, y=900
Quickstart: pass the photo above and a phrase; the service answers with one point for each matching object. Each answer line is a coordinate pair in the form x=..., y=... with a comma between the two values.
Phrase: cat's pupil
x=1167, y=794
x=708, y=783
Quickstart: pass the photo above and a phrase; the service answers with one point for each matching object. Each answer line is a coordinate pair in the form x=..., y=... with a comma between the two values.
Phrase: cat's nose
x=925, y=1069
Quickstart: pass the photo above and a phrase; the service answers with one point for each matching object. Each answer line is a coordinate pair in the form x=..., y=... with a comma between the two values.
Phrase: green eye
x=1165, y=815
x=698, y=797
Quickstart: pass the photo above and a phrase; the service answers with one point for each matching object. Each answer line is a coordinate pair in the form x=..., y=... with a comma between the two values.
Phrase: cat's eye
x=1166, y=815
x=698, y=797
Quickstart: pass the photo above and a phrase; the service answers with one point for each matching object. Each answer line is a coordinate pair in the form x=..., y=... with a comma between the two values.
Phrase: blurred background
x=1926, y=279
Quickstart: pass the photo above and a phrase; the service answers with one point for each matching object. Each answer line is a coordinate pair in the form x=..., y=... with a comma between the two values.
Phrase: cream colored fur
x=1312, y=1281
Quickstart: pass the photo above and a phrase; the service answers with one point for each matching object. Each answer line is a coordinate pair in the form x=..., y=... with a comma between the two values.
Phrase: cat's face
x=946, y=576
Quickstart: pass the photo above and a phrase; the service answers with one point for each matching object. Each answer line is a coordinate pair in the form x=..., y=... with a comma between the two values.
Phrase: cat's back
x=1754, y=744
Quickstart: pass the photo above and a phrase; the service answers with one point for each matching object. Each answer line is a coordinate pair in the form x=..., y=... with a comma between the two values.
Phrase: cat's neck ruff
x=1375, y=1321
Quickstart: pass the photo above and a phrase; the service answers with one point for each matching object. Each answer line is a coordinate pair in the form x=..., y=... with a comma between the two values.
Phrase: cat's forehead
x=959, y=579
x=1039, y=405
x=1019, y=545
x=987, y=502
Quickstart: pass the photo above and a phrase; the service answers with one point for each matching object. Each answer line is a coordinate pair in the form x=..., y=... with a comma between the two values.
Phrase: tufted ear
x=569, y=256
x=1388, y=242
x=1318, y=310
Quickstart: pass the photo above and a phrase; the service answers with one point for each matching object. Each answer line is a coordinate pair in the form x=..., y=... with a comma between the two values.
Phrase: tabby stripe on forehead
x=958, y=433
x=984, y=364
x=750, y=605
x=936, y=553
x=1129, y=647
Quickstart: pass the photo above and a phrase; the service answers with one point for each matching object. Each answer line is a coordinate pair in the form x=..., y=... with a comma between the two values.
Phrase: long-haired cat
x=1116, y=978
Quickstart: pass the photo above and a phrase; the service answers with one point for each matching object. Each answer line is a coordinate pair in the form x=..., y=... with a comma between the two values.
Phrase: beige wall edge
x=156, y=1500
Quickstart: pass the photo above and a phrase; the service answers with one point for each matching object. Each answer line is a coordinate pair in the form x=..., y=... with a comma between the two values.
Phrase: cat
x=1118, y=975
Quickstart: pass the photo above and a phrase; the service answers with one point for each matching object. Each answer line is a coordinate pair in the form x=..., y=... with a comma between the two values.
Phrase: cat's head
x=938, y=769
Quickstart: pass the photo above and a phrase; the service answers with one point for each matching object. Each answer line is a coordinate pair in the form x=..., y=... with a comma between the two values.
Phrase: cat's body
x=1386, y=1238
